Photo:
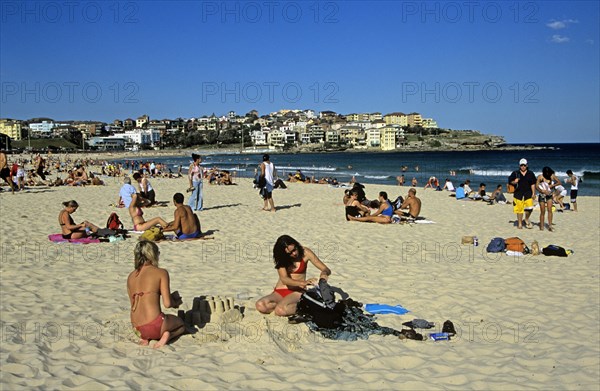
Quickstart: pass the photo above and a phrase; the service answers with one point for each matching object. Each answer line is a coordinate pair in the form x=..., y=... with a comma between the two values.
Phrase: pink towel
x=57, y=238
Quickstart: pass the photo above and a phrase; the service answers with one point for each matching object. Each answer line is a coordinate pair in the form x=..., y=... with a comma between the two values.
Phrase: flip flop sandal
x=529, y=225
x=411, y=334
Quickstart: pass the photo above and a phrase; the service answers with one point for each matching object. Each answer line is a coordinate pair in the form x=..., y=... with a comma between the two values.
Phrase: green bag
x=153, y=234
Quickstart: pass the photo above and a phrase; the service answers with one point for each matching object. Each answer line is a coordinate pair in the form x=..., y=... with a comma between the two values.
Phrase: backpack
x=152, y=234
x=318, y=305
x=397, y=203
x=114, y=222
x=516, y=244
x=497, y=245
x=554, y=250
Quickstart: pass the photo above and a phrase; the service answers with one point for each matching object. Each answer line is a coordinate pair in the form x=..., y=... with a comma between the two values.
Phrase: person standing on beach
x=267, y=171
x=524, y=182
x=5, y=171
x=574, y=181
x=195, y=179
x=545, y=184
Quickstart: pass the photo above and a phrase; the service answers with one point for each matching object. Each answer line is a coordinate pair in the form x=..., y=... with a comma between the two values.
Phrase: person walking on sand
x=574, y=181
x=267, y=171
x=195, y=179
x=524, y=182
x=145, y=285
x=545, y=184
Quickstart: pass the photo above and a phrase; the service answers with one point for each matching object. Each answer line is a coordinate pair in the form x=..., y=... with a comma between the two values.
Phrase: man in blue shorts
x=186, y=224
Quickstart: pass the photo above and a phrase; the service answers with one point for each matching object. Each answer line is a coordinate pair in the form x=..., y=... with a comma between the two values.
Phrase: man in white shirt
x=267, y=171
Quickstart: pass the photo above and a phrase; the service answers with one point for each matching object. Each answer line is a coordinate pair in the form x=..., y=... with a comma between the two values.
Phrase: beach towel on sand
x=57, y=238
x=385, y=309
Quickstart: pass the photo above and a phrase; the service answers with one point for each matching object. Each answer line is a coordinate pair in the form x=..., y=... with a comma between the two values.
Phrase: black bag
x=312, y=307
x=555, y=250
x=262, y=182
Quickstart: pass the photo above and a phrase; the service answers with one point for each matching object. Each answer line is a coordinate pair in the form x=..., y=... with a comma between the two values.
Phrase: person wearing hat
x=267, y=171
x=524, y=182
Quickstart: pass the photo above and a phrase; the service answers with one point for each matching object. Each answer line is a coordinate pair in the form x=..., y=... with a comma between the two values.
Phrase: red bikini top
x=301, y=267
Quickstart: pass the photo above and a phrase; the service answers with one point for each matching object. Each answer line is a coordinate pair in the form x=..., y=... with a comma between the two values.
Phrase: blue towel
x=385, y=309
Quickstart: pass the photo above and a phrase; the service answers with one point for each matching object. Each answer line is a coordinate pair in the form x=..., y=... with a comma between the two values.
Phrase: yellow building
x=11, y=128
x=414, y=119
x=387, y=138
x=396, y=119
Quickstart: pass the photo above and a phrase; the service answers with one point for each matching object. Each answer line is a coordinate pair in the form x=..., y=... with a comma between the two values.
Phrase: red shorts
x=152, y=330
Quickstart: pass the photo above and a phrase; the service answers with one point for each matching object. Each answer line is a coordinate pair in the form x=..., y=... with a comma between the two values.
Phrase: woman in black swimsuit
x=70, y=230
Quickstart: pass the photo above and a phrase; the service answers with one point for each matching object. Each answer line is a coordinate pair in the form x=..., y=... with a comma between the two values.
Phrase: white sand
x=530, y=322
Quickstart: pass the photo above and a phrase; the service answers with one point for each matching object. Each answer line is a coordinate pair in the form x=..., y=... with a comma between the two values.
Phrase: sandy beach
x=523, y=323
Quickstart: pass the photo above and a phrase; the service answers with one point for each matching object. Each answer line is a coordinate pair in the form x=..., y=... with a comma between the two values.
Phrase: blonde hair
x=145, y=251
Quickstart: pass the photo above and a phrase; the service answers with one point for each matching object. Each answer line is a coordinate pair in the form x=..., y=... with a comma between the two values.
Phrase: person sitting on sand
x=145, y=285
x=353, y=206
x=69, y=229
x=291, y=261
x=449, y=186
x=412, y=203
x=383, y=215
x=186, y=224
x=136, y=213
x=146, y=189
x=433, y=183
x=497, y=196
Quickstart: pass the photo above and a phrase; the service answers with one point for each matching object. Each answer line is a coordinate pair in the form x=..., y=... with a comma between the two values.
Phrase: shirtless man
x=5, y=171
x=412, y=203
x=186, y=224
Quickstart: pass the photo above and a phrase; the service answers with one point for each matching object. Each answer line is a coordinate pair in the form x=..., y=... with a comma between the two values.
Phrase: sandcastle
x=213, y=309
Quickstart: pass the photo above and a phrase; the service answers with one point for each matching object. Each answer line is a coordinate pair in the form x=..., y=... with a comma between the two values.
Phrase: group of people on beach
x=148, y=282
x=383, y=210
x=525, y=185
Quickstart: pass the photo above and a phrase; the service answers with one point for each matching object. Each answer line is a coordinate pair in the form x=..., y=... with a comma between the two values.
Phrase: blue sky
x=526, y=70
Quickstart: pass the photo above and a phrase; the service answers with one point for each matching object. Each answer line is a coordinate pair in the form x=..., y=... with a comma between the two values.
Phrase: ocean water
x=489, y=167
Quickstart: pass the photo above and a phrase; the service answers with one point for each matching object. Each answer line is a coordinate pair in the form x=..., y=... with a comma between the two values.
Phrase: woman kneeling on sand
x=70, y=230
x=145, y=285
x=291, y=261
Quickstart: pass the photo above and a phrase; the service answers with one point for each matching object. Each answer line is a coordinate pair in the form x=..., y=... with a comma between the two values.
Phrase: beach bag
x=153, y=234
x=554, y=250
x=467, y=240
x=318, y=306
x=535, y=248
x=496, y=245
x=262, y=182
x=114, y=222
x=517, y=245
x=510, y=188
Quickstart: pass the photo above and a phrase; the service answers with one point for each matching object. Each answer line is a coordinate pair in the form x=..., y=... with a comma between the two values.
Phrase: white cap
x=523, y=161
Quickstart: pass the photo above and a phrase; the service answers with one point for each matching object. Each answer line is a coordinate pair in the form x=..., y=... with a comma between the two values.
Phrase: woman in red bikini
x=145, y=285
x=291, y=261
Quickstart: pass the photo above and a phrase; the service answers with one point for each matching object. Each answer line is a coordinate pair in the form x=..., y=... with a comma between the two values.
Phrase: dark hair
x=280, y=256
x=481, y=184
x=195, y=156
x=569, y=172
x=136, y=175
x=383, y=194
x=265, y=157
x=178, y=198
x=71, y=204
x=547, y=172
